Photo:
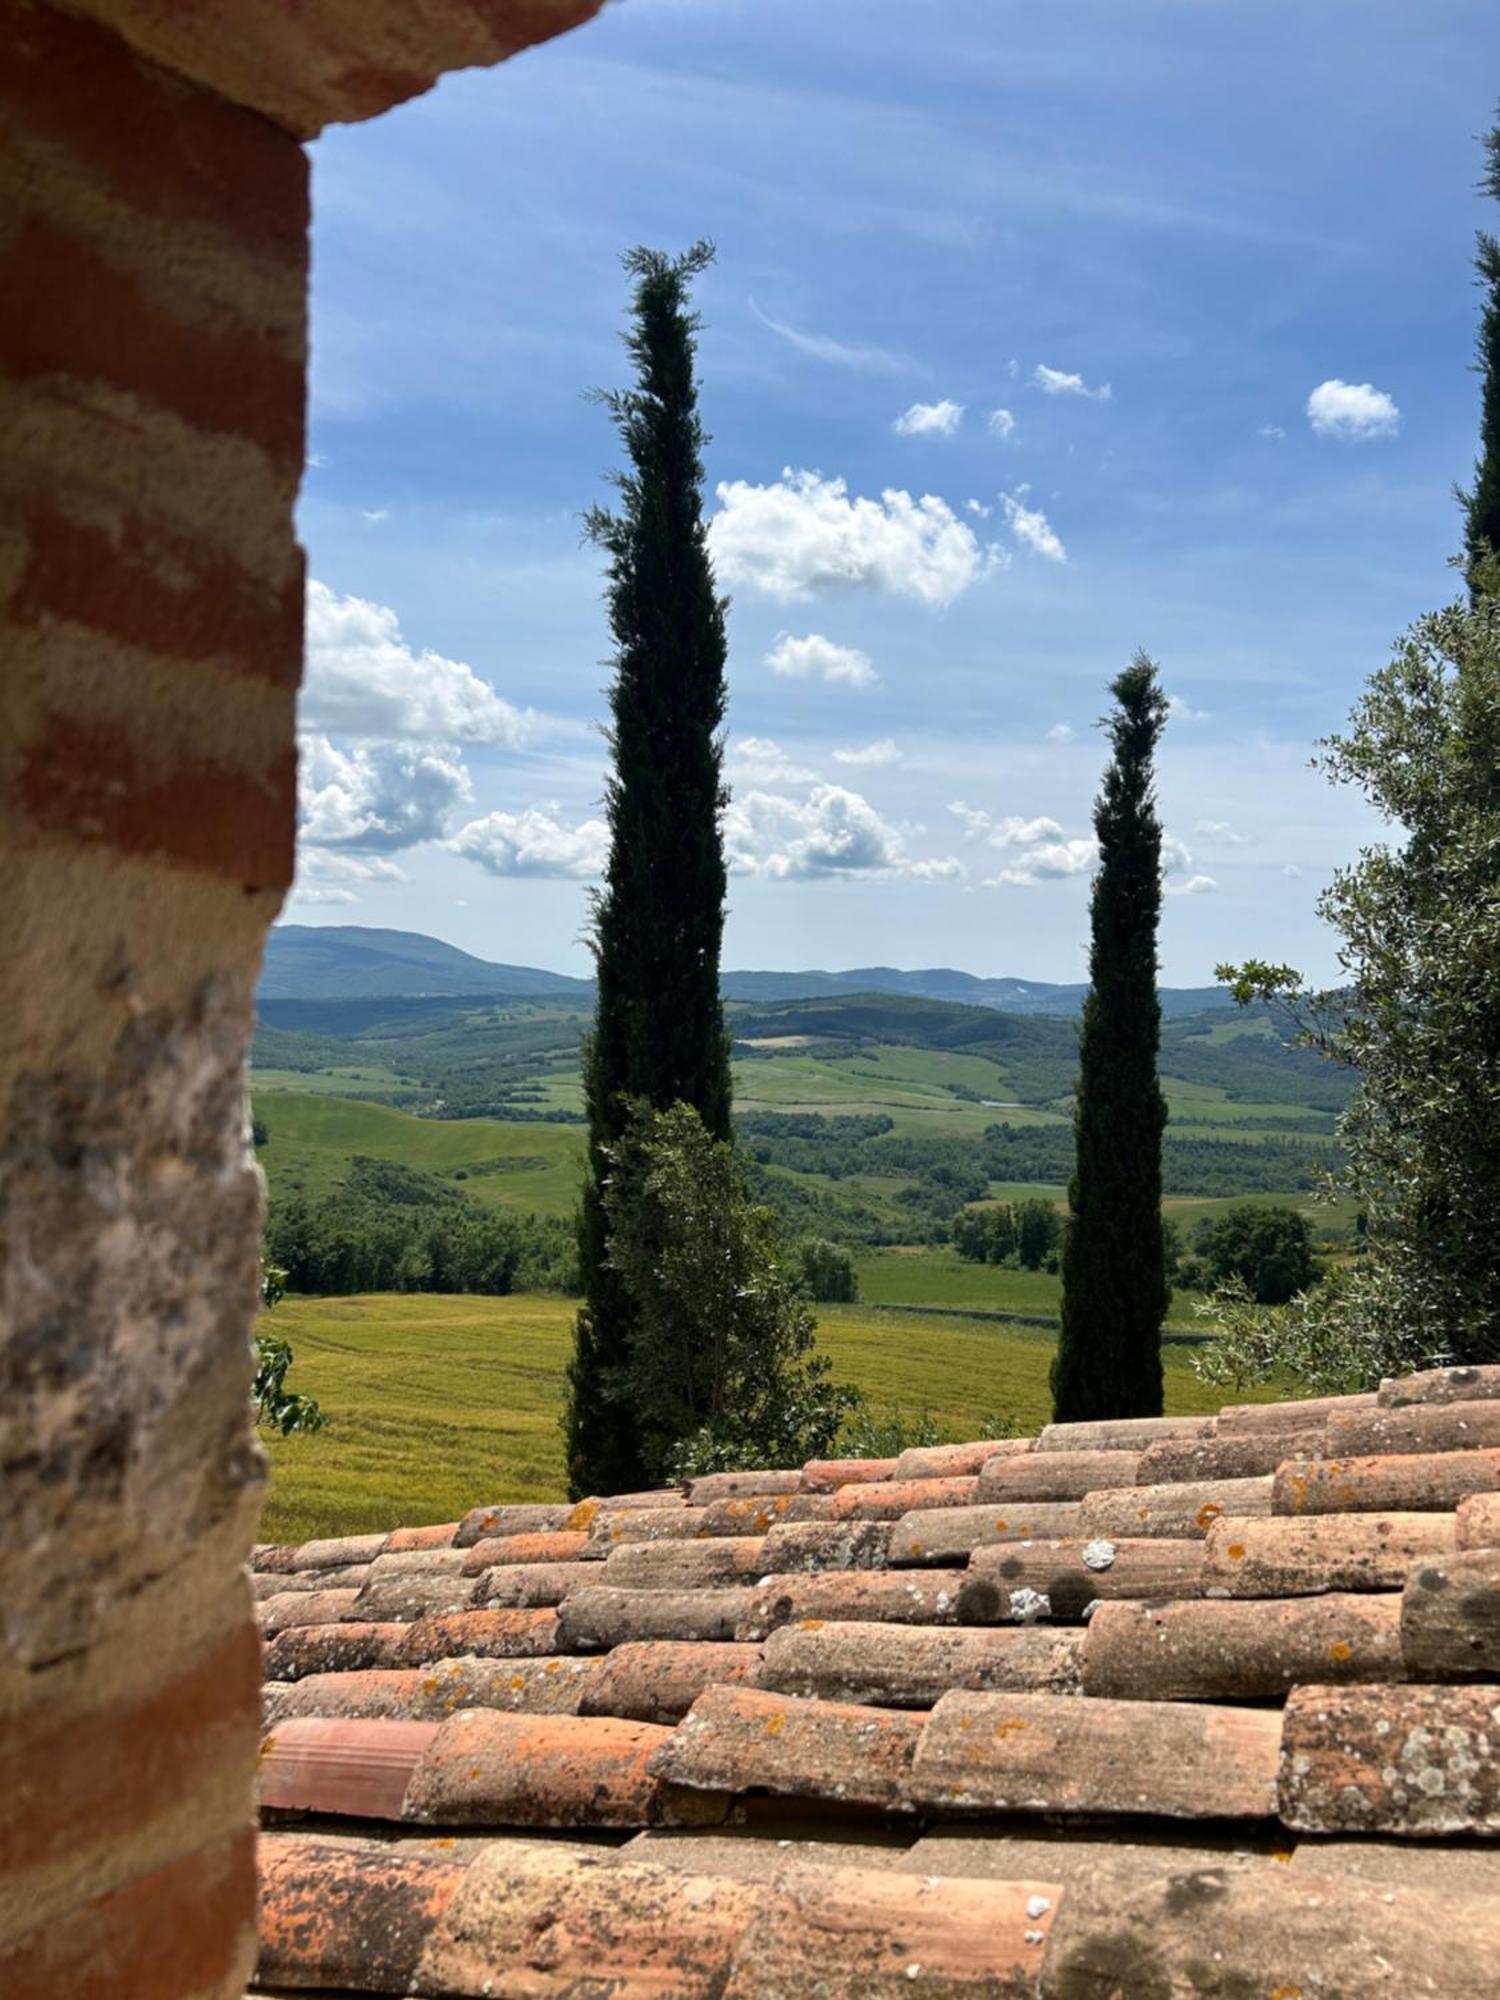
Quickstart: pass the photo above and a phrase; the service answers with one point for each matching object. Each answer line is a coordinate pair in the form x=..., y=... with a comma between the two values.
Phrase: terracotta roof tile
x=489, y=1635
x=889, y=1499
x=1216, y=1651
x=547, y=1686
x=400, y=1599
x=860, y=1935
x=904, y=1597
x=341, y=1764
x=346, y=1914
x=341, y=1648
x=1271, y=1933
x=1055, y=1475
x=546, y=1922
x=488, y=1769
x=659, y=1680
x=1406, y=1760
x=1293, y=1556
x=1181, y=1510
x=1243, y=1457
x=521, y=1519
x=1450, y=1617
x=304, y=1607
x=951, y=1534
x=1053, y=1753
x=1413, y=1482
x=763, y=1850
x=911, y=1666
x=524, y=1586
x=1466, y=1426
x=740, y=1485
x=438, y=1536
x=827, y=1475
x=599, y=1615
x=755, y=1513
x=707, y=1564
x=1478, y=1522
x=1122, y=1433
x=740, y=1740
x=541, y=1545
x=1259, y=1419
x=823, y=1545
x=417, y=1562
x=273, y=1557
x=1070, y=1574
x=337, y=1552
x=955, y=1461
x=613, y=1525
x=1441, y=1385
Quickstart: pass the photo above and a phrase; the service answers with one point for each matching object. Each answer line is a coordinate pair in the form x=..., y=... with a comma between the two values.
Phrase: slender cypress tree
x=1481, y=502
x=1115, y=1289
x=658, y=921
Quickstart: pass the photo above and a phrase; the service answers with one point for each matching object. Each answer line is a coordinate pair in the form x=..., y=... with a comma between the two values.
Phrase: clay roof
x=1156, y=1707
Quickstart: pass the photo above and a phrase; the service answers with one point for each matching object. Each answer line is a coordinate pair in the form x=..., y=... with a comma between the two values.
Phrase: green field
x=439, y=1404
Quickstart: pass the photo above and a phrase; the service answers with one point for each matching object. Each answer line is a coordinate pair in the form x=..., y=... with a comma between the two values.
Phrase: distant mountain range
x=349, y=961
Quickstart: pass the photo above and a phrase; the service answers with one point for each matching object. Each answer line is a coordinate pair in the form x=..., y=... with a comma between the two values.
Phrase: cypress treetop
x=1481, y=502
x=659, y=1037
x=1115, y=1288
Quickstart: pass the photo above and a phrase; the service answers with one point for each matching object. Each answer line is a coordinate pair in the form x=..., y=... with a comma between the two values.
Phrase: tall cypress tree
x=1482, y=501
x=1115, y=1291
x=658, y=921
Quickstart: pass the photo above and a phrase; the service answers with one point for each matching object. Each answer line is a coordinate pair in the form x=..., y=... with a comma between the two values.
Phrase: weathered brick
x=1007, y=1581
x=951, y=1534
x=911, y=1666
x=659, y=1680
x=1412, y=1482
x=1052, y=1753
x=1405, y=1760
x=1234, y=1651
x=1054, y=1475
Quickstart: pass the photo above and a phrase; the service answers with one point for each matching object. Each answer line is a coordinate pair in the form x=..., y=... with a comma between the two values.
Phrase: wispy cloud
x=1002, y=424
x=839, y=353
x=1058, y=382
x=1031, y=527
x=870, y=756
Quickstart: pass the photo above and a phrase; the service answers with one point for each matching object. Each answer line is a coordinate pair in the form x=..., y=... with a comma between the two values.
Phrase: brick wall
x=153, y=250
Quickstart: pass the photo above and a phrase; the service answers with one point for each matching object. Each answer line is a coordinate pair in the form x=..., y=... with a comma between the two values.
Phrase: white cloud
x=375, y=513
x=1058, y=382
x=1032, y=529
x=1061, y=732
x=1002, y=423
x=1352, y=410
x=534, y=842
x=870, y=756
x=326, y=876
x=803, y=533
x=1271, y=431
x=1221, y=831
x=823, y=347
x=1012, y=831
x=363, y=678
x=831, y=832
x=1174, y=855
x=1182, y=710
x=756, y=760
x=930, y=420
x=978, y=507
x=812, y=657
x=1048, y=861
x=1195, y=885
x=378, y=796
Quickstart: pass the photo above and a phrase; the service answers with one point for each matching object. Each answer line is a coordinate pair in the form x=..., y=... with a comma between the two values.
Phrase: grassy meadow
x=439, y=1404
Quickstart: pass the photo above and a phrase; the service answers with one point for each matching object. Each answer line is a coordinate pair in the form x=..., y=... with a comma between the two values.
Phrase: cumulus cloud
x=841, y=353
x=1047, y=861
x=930, y=420
x=378, y=796
x=1011, y=831
x=535, y=843
x=1195, y=885
x=1220, y=831
x=1031, y=527
x=831, y=832
x=1002, y=423
x=756, y=760
x=326, y=876
x=812, y=657
x=870, y=756
x=1061, y=732
x=1174, y=854
x=1352, y=410
x=1058, y=382
x=364, y=679
x=803, y=533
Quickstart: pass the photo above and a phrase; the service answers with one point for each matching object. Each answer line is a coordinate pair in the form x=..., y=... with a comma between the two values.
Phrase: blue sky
x=1209, y=258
